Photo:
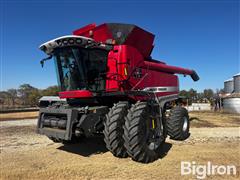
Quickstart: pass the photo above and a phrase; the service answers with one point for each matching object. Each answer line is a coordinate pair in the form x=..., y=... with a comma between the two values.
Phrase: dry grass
x=198, y=119
x=18, y=115
x=214, y=119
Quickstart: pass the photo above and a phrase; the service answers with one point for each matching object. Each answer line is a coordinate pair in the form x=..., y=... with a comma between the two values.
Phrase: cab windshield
x=81, y=68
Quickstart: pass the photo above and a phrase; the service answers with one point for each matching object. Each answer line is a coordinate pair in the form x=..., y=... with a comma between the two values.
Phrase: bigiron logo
x=209, y=169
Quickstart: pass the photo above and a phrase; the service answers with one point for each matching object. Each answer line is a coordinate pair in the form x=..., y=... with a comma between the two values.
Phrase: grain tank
x=228, y=86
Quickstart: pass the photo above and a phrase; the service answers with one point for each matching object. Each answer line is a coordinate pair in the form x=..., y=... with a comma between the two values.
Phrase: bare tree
x=12, y=95
x=5, y=97
x=25, y=91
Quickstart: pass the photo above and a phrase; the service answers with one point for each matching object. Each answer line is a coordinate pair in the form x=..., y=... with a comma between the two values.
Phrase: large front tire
x=113, y=129
x=143, y=139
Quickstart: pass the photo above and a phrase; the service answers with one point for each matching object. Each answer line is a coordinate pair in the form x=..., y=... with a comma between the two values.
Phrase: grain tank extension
x=111, y=86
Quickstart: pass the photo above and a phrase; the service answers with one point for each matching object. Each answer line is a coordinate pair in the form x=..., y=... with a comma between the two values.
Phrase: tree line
x=28, y=96
x=25, y=96
x=206, y=96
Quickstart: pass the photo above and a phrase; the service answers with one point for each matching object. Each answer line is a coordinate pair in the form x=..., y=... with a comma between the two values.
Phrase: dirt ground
x=215, y=137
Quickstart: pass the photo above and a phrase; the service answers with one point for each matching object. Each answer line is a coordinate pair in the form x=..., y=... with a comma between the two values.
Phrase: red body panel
x=137, y=37
x=76, y=94
x=85, y=29
x=112, y=75
x=99, y=33
x=129, y=67
x=141, y=40
x=127, y=57
x=167, y=68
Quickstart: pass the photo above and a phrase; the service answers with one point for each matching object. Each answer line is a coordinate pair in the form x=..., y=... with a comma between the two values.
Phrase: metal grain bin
x=236, y=83
x=231, y=104
x=228, y=86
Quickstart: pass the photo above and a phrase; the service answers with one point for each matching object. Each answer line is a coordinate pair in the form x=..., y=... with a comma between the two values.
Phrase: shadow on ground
x=96, y=145
x=196, y=122
x=194, y=118
x=87, y=147
x=164, y=150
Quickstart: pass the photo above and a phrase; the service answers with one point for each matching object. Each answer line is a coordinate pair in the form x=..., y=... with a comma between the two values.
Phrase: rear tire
x=140, y=137
x=113, y=129
x=178, y=124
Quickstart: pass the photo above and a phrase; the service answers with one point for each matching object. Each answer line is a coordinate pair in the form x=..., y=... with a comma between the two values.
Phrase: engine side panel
x=126, y=63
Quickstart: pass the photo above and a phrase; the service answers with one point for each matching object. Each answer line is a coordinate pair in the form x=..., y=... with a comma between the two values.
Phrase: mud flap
x=52, y=130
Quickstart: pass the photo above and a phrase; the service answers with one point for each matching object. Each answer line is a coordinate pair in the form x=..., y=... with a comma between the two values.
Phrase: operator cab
x=81, y=63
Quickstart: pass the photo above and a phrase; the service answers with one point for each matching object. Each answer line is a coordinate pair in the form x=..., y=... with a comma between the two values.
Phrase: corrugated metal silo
x=228, y=86
x=231, y=104
x=236, y=83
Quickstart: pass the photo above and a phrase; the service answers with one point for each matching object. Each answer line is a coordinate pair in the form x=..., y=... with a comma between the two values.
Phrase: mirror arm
x=45, y=59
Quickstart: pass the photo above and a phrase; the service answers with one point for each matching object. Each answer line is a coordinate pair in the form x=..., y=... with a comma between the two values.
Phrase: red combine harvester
x=110, y=85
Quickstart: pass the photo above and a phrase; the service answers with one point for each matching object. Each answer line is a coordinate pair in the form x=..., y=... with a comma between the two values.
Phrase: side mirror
x=42, y=63
x=45, y=59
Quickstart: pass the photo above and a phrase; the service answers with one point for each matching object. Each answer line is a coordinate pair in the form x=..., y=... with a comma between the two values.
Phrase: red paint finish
x=137, y=37
x=167, y=68
x=124, y=56
x=76, y=94
x=141, y=40
x=148, y=77
x=99, y=33
x=84, y=30
x=112, y=74
x=129, y=66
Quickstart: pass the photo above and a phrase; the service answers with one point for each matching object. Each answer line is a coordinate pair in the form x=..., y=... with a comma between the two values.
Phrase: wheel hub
x=185, y=123
x=154, y=137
